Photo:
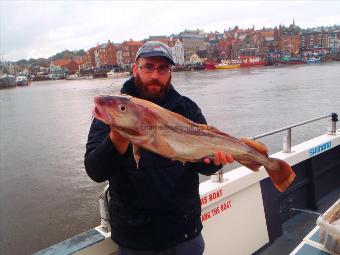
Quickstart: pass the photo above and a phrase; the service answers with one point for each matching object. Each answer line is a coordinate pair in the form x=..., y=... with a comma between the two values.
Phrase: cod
x=173, y=136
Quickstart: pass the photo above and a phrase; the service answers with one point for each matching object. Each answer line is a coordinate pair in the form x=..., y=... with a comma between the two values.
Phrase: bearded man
x=156, y=208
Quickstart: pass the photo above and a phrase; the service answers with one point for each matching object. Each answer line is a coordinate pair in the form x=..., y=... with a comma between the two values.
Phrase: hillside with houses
x=193, y=48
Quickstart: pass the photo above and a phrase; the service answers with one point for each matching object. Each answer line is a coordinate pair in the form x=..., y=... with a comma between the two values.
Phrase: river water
x=45, y=194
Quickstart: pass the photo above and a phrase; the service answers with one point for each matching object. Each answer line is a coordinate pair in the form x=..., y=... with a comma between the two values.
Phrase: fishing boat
x=229, y=64
x=7, y=81
x=77, y=76
x=313, y=60
x=114, y=74
x=21, y=81
x=249, y=61
x=292, y=60
x=209, y=64
x=242, y=212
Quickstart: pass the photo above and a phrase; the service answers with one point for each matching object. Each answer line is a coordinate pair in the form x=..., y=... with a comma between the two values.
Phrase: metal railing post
x=287, y=141
x=332, y=129
x=217, y=177
x=104, y=210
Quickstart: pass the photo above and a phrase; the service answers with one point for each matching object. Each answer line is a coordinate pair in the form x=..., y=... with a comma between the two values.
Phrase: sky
x=33, y=29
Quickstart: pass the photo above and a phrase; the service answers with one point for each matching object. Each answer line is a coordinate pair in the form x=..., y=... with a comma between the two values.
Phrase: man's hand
x=118, y=141
x=220, y=159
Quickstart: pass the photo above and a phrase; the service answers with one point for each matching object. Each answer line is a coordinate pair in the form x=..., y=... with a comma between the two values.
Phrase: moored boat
x=113, y=74
x=229, y=64
x=76, y=76
x=21, y=81
x=249, y=61
x=7, y=81
x=313, y=60
x=209, y=64
x=292, y=60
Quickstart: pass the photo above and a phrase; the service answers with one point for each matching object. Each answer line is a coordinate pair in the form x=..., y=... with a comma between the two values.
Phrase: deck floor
x=295, y=229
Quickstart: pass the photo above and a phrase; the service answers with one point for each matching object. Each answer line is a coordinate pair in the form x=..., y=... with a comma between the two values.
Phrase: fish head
x=123, y=114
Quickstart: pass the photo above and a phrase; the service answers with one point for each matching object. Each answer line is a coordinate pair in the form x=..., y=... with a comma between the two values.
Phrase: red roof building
x=129, y=51
x=107, y=54
x=89, y=59
x=69, y=64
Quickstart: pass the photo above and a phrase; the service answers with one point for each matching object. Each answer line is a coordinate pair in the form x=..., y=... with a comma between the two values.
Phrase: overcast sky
x=32, y=29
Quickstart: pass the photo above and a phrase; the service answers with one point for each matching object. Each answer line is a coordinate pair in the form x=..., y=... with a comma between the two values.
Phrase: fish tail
x=281, y=173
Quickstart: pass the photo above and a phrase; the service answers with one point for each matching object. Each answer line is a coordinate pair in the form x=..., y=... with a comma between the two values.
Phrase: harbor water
x=45, y=194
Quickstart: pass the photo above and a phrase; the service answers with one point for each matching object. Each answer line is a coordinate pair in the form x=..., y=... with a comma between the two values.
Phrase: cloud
x=43, y=28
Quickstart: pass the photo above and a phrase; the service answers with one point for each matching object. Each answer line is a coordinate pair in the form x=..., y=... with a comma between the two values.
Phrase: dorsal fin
x=260, y=147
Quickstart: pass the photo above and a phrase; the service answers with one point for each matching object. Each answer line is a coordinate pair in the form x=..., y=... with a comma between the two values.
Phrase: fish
x=149, y=126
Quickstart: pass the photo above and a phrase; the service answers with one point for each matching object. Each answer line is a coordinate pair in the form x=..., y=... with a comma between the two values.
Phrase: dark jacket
x=157, y=205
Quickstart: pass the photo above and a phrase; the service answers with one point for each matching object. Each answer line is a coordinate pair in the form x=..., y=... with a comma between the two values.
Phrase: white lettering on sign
x=215, y=211
x=211, y=197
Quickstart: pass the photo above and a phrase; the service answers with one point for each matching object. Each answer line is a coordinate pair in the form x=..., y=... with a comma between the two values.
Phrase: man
x=156, y=208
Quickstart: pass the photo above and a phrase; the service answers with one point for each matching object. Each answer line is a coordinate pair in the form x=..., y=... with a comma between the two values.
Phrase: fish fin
x=281, y=174
x=256, y=145
x=213, y=129
x=250, y=164
x=136, y=154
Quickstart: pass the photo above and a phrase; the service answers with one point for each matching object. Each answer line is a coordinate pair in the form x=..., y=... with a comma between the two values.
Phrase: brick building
x=89, y=59
x=70, y=65
x=314, y=43
x=105, y=54
x=288, y=40
x=192, y=41
x=129, y=50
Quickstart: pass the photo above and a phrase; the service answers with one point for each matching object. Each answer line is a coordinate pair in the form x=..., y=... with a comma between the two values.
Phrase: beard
x=153, y=90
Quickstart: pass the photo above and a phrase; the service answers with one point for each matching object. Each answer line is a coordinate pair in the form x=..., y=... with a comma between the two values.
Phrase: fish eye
x=122, y=108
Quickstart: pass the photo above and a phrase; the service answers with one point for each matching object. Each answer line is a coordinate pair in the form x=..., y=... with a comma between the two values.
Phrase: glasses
x=151, y=69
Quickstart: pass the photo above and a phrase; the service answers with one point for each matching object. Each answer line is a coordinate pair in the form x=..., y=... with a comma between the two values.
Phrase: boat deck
x=295, y=229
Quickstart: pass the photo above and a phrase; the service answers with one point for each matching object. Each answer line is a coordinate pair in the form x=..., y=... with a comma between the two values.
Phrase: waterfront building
x=249, y=45
x=314, y=43
x=177, y=51
x=268, y=45
x=129, y=51
x=195, y=59
x=334, y=42
x=224, y=49
x=119, y=56
x=105, y=54
x=213, y=39
x=159, y=38
x=89, y=58
x=96, y=57
x=62, y=65
x=288, y=39
x=191, y=41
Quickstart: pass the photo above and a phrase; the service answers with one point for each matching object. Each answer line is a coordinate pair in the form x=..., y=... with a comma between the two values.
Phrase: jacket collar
x=170, y=102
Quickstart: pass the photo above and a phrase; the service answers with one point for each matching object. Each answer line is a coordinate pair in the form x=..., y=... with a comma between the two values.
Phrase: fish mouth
x=130, y=131
x=99, y=113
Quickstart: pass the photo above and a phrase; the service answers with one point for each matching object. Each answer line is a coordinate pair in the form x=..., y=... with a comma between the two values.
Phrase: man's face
x=152, y=86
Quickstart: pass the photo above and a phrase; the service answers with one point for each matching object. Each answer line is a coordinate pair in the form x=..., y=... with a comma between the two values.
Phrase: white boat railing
x=287, y=137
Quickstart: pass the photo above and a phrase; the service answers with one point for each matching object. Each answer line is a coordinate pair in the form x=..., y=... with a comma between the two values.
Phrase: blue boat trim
x=316, y=236
x=307, y=249
x=73, y=244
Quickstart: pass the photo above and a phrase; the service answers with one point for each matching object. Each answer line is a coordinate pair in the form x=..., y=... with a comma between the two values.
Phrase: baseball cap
x=155, y=49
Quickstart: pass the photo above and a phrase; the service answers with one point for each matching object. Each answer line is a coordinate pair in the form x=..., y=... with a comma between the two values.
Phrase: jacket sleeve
x=195, y=114
x=101, y=157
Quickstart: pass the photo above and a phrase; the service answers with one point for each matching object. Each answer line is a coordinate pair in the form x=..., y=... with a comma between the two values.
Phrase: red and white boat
x=249, y=61
x=209, y=64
